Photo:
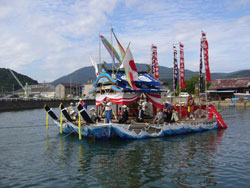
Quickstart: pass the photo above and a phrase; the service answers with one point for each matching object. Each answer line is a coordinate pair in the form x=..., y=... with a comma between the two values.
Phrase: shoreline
x=19, y=104
x=231, y=104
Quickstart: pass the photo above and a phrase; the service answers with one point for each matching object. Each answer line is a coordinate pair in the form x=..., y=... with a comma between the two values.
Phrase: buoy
x=79, y=126
x=47, y=121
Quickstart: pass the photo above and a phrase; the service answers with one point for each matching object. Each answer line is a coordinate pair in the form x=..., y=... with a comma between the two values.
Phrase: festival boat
x=126, y=86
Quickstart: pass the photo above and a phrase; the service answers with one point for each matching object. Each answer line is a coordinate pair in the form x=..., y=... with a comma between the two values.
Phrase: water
x=30, y=156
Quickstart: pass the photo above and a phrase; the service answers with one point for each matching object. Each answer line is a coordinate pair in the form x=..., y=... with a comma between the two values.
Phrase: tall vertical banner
x=182, y=69
x=205, y=55
x=175, y=69
x=155, y=65
x=200, y=73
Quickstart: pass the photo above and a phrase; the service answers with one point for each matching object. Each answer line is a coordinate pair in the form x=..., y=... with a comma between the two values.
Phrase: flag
x=205, y=55
x=155, y=65
x=113, y=53
x=182, y=69
x=175, y=68
x=122, y=51
x=130, y=68
x=94, y=65
x=201, y=76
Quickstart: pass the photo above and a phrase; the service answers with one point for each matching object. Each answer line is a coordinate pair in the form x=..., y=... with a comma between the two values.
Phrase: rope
x=73, y=131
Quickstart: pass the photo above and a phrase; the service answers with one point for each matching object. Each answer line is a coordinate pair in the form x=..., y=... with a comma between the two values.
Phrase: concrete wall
x=18, y=104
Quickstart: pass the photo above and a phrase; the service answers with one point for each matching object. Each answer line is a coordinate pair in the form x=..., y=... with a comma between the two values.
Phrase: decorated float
x=124, y=85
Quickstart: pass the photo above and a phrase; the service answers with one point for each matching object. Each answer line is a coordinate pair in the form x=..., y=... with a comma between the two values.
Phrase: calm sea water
x=31, y=156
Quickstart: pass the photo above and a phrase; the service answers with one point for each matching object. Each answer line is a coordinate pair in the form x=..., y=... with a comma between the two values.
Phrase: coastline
x=216, y=103
x=19, y=104
x=238, y=104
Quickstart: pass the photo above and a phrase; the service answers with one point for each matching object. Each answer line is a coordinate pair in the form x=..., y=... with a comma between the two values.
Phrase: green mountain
x=8, y=82
x=86, y=74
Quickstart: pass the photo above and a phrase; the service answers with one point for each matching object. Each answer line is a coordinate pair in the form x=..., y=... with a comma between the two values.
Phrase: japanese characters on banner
x=175, y=69
x=182, y=70
x=155, y=65
x=205, y=55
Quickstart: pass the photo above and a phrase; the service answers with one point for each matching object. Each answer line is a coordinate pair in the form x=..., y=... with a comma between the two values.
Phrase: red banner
x=182, y=70
x=155, y=65
x=205, y=54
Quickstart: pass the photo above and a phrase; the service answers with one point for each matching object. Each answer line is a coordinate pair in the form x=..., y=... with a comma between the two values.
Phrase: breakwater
x=21, y=104
x=240, y=104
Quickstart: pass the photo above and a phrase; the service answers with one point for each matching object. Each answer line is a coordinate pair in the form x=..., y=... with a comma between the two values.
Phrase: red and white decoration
x=119, y=98
x=155, y=64
x=155, y=99
x=205, y=54
x=127, y=98
x=182, y=69
x=130, y=69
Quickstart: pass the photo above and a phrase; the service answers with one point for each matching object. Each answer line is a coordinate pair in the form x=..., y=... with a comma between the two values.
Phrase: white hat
x=92, y=108
x=71, y=103
x=124, y=106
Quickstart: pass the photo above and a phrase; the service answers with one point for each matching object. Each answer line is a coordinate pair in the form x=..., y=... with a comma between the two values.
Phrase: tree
x=190, y=84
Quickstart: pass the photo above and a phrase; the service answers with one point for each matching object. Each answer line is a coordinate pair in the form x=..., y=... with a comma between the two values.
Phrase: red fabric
x=182, y=70
x=132, y=65
x=206, y=61
x=130, y=69
x=132, y=81
x=220, y=121
x=155, y=99
x=121, y=99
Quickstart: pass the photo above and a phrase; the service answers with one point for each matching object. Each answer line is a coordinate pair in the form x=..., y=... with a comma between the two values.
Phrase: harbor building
x=86, y=89
x=230, y=88
x=41, y=90
x=64, y=90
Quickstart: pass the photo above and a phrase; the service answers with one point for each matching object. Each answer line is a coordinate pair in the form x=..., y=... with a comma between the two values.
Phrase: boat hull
x=142, y=131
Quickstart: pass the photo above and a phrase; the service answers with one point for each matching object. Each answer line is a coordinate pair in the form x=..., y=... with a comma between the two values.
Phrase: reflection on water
x=34, y=157
x=180, y=160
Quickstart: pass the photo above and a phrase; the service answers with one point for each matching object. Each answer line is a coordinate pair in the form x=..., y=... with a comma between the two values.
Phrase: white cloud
x=47, y=39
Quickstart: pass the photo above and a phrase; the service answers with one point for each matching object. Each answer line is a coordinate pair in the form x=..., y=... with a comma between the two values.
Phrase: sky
x=47, y=39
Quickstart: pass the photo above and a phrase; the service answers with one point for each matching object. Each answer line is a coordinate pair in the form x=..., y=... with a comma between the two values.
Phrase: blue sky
x=46, y=39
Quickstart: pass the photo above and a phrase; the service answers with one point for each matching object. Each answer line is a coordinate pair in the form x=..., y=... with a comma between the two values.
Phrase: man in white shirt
x=108, y=110
x=147, y=108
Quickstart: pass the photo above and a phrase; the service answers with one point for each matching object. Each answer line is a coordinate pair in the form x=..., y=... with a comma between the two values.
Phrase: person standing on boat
x=190, y=104
x=124, y=114
x=140, y=115
x=84, y=104
x=159, y=118
x=147, y=108
x=108, y=110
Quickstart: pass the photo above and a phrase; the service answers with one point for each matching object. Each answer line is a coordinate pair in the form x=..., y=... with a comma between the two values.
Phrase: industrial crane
x=24, y=88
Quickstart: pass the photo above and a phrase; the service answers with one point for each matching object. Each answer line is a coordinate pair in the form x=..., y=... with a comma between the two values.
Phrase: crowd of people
x=144, y=112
